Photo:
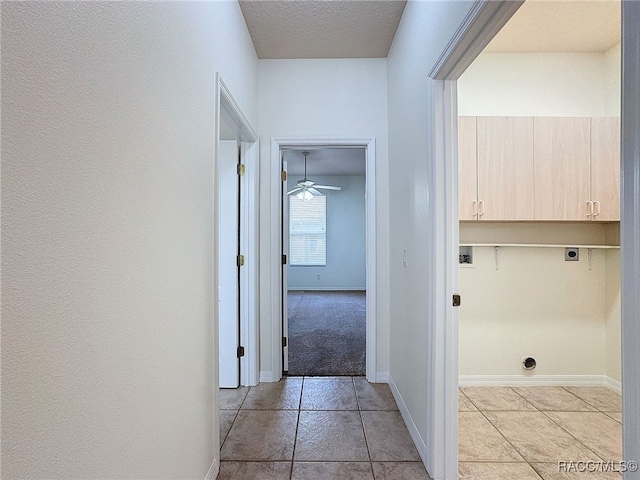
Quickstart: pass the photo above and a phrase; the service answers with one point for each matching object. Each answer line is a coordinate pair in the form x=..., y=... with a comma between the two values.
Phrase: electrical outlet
x=404, y=257
x=571, y=254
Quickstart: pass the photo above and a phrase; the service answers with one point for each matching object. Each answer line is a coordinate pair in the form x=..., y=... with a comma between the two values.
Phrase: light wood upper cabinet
x=605, y=168
x=505, y=168
x=561, y=157
x=467, y=169
x=539, y=168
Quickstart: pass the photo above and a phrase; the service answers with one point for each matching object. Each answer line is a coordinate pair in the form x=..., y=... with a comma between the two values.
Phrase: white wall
x=107, y=203
x=613, y=80
x=535, y=304
x=346, y=235
x=322, y=98
x=540, y=84
x=613, y=314
x=423, y=33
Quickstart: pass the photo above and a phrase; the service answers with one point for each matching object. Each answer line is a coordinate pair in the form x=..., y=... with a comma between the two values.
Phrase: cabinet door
x=605, y=168
x=561, y=161
x=505, y=168
x=467, y=168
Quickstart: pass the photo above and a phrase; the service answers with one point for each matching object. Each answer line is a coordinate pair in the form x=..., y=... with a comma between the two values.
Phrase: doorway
x=236, y=246
x=278, y=147
x=324, y=239
x=561, y=385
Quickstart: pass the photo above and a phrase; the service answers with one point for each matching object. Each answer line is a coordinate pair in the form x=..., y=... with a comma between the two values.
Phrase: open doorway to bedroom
x=324, y=282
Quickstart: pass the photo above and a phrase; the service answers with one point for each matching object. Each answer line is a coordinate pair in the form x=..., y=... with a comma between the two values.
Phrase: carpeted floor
x=327, y=332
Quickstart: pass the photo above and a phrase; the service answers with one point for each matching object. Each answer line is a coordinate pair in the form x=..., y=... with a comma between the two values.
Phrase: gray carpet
x=327, y=332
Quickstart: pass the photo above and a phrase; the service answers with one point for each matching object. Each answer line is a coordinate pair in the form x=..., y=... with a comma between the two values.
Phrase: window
x=308, y=231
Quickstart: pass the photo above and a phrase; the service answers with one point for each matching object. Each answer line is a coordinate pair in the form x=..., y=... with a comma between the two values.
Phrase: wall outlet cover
x=571, y=254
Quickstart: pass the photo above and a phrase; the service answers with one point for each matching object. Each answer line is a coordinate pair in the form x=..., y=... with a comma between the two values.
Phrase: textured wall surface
x=423, y=33
x=107, y=203
x=315, y=99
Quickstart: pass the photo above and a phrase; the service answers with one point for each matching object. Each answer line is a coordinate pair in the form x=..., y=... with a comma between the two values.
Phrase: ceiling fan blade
x=314, y=192
x=327, y=187
x=297, y=189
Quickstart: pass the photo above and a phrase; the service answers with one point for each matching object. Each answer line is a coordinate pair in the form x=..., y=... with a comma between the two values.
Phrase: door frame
x=483, y=21
x=630, y=233
x=369, y=145
x=228, y=110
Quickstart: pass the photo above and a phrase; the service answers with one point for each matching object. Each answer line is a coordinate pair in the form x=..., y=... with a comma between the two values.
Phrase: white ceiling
x=325, y=161
x=322, y=28
x=560, y=26
x=365, y=28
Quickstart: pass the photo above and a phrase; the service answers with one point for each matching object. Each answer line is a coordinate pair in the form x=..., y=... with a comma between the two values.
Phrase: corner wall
x=344, y=98
x=108, y=353
x=423, y=33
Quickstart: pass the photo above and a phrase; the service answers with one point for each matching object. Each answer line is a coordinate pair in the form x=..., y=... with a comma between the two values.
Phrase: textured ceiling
x=560, y=26
x=322, y=28
x=365, y=28
x=325, y=161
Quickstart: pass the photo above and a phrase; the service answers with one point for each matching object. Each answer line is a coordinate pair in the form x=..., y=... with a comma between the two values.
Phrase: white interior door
x=228, y=281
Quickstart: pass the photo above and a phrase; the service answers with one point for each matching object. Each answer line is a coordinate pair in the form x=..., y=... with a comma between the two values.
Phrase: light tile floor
x=315, y=428
x=522, y=433
x=346, y=428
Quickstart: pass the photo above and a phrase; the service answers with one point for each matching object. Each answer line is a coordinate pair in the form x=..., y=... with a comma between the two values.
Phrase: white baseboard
x=612, y=384
x=382, y=377
x=539, y=380
x=326, y=289
x=421, y=446
x=214, y=469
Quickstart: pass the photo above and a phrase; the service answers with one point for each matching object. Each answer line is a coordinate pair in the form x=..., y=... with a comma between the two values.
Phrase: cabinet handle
x=597, y=204
x=481, y=208
x=475, y=209
x=589, y=208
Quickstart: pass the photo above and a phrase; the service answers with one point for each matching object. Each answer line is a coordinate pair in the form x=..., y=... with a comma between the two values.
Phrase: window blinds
x=308, y=231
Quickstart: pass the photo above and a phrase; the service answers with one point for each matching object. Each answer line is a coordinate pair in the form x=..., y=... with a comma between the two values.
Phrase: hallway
x=315, y=428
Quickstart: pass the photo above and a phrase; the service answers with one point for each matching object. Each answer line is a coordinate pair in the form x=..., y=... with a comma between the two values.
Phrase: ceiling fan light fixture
x=304, y=195
x=306, y=189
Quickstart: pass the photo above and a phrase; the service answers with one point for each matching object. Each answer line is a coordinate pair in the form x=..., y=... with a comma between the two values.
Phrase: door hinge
x=240, y=352
x=284, y=342
x=240, y=260
x=241, y=169
x=284, y=259
x=283, y=176
x=456, y=300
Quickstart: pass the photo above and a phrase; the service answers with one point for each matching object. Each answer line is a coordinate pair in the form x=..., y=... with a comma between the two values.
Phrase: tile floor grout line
x=295, y=437
x=366, y=440
x=512, y=445
x=523, y=397
x=580, y=398
x=573, y=436
x=505, y=438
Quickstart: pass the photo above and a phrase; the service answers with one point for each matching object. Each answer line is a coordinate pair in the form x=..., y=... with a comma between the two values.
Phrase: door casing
x=278, y=144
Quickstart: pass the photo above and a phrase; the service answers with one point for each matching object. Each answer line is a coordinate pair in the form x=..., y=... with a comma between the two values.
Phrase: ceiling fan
x=307, y=189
